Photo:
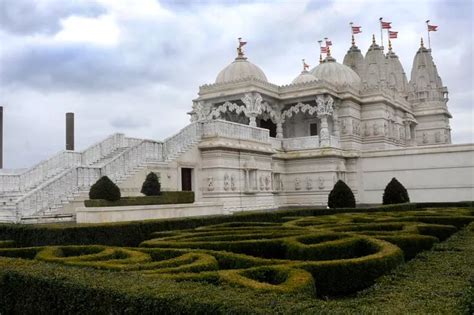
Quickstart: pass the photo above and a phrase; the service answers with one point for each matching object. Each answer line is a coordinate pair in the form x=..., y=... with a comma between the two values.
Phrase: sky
x=134, y=66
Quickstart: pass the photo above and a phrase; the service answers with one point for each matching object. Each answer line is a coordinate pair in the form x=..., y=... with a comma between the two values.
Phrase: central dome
x=336, y=73
x=241, y=68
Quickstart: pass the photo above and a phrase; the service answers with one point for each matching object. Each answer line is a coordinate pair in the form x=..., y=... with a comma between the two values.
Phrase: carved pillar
x=279, y=130
x=324, y=138
x=253, y=120
x=335, y=120
x=324, y=109
x=253, y=107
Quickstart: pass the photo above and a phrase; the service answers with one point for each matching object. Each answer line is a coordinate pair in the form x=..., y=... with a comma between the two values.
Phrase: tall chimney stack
x=1, y=136
x=70, y=131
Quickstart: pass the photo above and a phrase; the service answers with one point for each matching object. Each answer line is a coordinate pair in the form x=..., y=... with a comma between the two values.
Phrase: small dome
x=303, y=77
x=240, y=69
x=336, y=73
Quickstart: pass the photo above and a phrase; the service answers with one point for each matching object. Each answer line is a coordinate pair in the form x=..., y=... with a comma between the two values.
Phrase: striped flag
x=392, y=34
x=328, y=43
x=324, y=50
x=432, y=28
x=385, y=25
x=356, y=29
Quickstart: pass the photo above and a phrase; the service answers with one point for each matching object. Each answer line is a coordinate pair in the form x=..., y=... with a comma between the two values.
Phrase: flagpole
x=353, y=41
x=428, y=30
x=381, y=33
x=320, y=54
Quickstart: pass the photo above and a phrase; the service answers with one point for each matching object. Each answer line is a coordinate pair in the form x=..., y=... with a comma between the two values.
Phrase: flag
x=386, y=25
x=241, y=44
x=356, y=29
x=392, y=34
x=328, y=43
x=432, y=28
x=324, y=50
x=305, y=65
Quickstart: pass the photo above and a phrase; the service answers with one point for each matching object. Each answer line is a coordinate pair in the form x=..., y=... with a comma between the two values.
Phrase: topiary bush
x=394, y=193
x=106, y=189
x=341, y=196
x=151, y=186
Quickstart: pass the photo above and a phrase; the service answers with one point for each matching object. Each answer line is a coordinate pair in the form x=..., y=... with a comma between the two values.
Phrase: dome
x=303, y=77
x=240, y=69
x=336, y=73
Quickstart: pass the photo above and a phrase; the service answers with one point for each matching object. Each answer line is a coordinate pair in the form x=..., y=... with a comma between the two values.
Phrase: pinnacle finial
x=373, y=39
x=240, y=51
x=421, y=43
x=328, y=55
x=320, y=58
x=353, y=41
x=305, y=66
x=389, y=45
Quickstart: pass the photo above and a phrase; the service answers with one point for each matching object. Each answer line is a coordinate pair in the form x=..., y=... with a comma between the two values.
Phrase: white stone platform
x=149, y=212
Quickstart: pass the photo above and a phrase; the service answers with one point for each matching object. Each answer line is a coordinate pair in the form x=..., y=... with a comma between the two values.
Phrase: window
x=313, y=129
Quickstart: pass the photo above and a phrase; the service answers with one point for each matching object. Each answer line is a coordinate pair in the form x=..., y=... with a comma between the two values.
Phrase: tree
x=106, y=189
x=395, y=192
x=151, y=186
x=341, y=196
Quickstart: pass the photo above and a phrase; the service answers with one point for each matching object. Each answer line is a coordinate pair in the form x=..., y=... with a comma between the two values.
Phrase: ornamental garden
x=394, y=258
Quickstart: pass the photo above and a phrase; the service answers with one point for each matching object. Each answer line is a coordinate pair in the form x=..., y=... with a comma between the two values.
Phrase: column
x=279, y=130
x=253, y=121
x=324, y=138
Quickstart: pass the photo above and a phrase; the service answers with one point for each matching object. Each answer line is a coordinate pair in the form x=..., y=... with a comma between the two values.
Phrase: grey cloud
x=32, y=17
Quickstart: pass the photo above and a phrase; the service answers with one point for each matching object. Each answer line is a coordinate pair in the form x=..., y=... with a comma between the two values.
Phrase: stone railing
x=97, y=151
x=39, y=173
x=300, y=143
x=222, y=128
x=180, y=141
x=61, y=188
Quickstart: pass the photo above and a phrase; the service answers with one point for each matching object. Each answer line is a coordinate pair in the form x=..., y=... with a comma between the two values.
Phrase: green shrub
x=151, y=186
x=104, y=188
x=341, y=196
x=394, y=193
x=166, y=197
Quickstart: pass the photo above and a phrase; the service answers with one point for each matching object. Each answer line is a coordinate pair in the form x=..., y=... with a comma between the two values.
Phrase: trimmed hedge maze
x=322, y=255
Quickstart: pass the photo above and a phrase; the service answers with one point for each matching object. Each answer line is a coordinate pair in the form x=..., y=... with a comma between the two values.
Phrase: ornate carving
x=267, y=182
x=309, y=183
x=344, y=126
x=300, y=107
x=376, y=129
x=320, y=182
x=232, y=182
x=297, y=184
x=226, y=107
x=226, y=182
x=200, y=111
x=210, y=183
x=262, y=182
x=325, y=106
x=425, y=137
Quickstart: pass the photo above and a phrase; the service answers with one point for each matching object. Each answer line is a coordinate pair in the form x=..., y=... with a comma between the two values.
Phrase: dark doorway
x=313, y=129
x=186, y=179
x=268, y=124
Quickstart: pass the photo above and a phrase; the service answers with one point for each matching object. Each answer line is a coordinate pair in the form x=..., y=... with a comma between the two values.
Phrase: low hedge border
x=166, y=197
x=133, y=233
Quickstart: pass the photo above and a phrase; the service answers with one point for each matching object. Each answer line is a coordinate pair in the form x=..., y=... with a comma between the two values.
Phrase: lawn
x=387, y=260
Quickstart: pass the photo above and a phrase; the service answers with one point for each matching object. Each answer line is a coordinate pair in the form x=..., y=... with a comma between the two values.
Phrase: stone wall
x=431, y=173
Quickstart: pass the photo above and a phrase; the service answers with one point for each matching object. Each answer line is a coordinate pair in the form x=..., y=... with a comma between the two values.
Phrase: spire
x=353, y=41
x=328, y=55
x=421, y=43
x=320, y=58
x=389, y=45
x=373, y=39
x=240, y=51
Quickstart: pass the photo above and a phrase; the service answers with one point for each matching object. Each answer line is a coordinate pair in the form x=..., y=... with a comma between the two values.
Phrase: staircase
x=41, y=193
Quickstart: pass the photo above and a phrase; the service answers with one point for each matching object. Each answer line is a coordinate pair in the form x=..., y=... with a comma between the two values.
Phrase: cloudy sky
x=133, y=66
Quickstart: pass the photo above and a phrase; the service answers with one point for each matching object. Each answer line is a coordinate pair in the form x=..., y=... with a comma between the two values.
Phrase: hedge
x=133, y=233
x=167, y=197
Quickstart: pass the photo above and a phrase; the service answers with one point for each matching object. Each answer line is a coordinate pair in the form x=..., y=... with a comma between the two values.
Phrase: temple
x=255, y=145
